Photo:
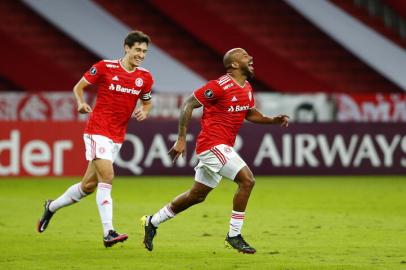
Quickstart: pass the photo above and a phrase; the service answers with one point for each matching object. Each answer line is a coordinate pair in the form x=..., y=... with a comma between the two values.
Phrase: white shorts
x=98, y=146
x=221, y=160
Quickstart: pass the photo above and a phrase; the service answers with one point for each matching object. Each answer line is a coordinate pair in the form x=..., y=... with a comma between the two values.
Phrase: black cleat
x=149, y=232
x=238, y=243
x=46, y=217
x=113, y=238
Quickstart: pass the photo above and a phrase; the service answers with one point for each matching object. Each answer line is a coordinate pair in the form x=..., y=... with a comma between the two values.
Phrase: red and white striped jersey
x=118, y=91
x=225, y=105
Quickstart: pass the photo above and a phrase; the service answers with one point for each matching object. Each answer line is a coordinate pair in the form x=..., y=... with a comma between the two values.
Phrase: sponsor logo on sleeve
x=93, y=71
x=228, y=86
x=209, y=93
x=139, y=82
x=111, y=66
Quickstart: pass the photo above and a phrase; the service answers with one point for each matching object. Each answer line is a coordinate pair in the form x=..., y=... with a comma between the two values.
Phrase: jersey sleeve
x=209, y=93
x=94, y=74
x=252, y=100
x=147, y=89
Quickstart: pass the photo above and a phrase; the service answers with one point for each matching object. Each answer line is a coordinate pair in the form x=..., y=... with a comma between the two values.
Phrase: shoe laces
x=245, y=244
x=113, y=233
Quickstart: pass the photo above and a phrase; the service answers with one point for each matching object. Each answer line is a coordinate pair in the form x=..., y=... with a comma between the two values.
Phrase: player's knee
x=89, y=187
x=107, y=177
x=248, y=182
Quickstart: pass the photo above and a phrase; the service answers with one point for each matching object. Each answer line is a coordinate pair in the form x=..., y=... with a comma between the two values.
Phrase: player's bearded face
x=247, y=68
x=136, y=53
x=246, y=64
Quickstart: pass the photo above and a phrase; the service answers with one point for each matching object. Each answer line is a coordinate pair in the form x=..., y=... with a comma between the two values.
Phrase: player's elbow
x=80, y=86
x=251, y=119
x=76, y=89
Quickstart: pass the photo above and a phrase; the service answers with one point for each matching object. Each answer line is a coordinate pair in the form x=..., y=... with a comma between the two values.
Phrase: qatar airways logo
x=122, y=89
x=238, y=108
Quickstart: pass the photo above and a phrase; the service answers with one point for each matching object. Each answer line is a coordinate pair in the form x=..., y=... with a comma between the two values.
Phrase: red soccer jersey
x=225, y=105
x=118, y=91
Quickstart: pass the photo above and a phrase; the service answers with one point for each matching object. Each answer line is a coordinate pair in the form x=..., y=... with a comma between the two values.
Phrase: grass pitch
x=295, y=223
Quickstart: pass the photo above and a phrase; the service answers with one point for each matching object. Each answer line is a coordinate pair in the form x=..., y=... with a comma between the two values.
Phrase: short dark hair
x=136, y=36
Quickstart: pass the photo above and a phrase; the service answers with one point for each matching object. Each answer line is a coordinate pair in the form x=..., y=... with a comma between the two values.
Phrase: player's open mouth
x=251, y=65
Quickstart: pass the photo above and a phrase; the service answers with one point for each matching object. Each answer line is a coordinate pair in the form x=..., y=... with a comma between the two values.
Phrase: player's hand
x=179, y=148
x=282, y=120
x=84, y=108
x=140, y=115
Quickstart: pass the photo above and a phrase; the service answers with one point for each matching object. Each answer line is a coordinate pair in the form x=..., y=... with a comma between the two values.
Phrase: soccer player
x=226, y=102
x=120, y=83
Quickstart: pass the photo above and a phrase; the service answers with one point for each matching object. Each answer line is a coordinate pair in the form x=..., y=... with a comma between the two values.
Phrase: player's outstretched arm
x=78, y=90
x=179, y=147
x=141, y=113
x=256, y=116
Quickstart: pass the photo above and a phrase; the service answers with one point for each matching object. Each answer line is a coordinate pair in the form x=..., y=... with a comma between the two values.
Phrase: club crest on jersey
x=93, y=71
x=209, y=93
x=139, y=82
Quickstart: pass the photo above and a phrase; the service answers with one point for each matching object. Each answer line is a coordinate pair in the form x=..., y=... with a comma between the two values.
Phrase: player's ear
x=234, y=65
x=126, y=48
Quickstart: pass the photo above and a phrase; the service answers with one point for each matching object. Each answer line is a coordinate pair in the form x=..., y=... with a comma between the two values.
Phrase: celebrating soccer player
x=120, y=83
x=226, y=102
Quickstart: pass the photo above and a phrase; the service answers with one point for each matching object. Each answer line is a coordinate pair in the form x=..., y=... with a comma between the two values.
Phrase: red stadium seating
x=32, y=72
x=375, y=22
x=288, y=34
x=291, y=55
x=55, y=60
x=166, y=35
x=399, y=6
x=271, y=69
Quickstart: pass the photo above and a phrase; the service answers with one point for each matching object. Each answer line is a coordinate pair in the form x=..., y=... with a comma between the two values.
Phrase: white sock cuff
x=104, y=186
x=237, y=215
x=80, y=190
x=169, y=211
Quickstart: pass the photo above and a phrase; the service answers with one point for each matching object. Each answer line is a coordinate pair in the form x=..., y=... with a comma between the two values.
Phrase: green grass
x=294, y=222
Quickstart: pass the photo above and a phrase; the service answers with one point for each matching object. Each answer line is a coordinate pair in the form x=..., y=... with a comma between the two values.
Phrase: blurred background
x=336, y=67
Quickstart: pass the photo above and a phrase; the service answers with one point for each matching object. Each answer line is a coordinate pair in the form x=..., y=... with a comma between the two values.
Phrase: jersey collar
x=242, y=86
x=121, y=65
